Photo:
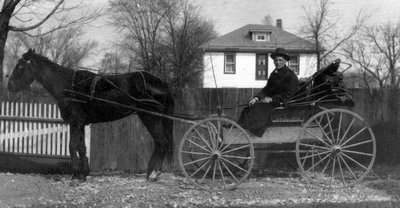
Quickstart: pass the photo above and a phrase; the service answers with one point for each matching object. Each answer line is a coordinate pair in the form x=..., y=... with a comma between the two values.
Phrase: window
x=294, y=64
x=261, y=36
x=261, y=67
x=230, y=62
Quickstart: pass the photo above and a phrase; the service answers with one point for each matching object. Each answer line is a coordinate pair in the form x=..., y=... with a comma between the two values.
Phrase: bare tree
x=163, y=37
x=113, y=63
x=377, y=52
x=24, y=16
x=65, y=47
x=267, y=20
x=186, y=31
x=141, y=21
x=322, y=29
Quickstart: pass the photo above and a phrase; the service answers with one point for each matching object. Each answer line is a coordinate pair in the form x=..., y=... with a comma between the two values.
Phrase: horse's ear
x=33, y=51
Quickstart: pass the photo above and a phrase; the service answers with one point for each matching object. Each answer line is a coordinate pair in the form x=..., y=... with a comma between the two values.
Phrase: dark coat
x=281, y=84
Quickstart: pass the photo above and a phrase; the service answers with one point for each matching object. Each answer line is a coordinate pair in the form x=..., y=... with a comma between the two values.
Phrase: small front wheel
x=216, y=154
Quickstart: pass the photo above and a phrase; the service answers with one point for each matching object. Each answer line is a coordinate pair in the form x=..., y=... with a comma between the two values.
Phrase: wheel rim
x=215, y=157
x=336, y=148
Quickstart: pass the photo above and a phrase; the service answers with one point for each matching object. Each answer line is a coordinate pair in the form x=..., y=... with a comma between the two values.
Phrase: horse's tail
x=169, y=126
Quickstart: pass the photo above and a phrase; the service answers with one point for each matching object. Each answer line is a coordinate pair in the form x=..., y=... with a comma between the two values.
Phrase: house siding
x=245, y=70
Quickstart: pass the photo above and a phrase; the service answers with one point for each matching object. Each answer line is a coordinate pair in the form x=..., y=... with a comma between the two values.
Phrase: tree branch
x=20, y=29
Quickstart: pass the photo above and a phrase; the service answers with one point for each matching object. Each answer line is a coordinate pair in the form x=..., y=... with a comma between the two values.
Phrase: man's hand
x=252, y=101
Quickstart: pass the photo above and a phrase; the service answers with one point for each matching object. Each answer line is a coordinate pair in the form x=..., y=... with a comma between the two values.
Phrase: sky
x=229, y=15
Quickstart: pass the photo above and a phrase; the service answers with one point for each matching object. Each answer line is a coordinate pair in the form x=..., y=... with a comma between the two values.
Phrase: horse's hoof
x=75, y=182
x=154, y=176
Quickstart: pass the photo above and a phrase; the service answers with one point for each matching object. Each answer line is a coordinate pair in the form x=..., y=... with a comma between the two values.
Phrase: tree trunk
x=3, y=39
x=5, y=16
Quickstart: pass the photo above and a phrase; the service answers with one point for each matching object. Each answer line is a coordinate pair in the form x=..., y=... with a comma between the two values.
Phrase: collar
x=283, y=69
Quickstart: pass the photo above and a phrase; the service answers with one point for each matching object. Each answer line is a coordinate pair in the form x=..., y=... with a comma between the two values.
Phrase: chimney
x=279, y=23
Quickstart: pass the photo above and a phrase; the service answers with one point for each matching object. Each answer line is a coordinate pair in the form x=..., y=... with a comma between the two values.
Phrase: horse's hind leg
x=154, y=167
x=84, y=165
x=155, y=128
x=76, y=135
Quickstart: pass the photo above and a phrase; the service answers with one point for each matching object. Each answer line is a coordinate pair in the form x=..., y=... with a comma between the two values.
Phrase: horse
x=79, y=93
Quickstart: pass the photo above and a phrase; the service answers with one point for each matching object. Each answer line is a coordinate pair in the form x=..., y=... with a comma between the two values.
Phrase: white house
x=240, y=59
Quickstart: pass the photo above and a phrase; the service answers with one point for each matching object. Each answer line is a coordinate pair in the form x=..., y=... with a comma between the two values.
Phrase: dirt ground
x=173, y=190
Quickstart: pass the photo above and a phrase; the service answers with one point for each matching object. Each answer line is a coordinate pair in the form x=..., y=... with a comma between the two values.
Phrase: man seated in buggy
x=283, y=90
x=281, y=84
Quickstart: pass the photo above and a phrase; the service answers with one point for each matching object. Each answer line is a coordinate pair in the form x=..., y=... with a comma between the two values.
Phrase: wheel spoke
x=201, y=147
x=304, y=161
x=313, y=155
x=339, y=125
x=214, y=172
x=231, y=142
x=221, y=172
x=356, y=144
x=312, y=167
x=348, y=167
x=323, y=131
x=206, y=172
x=333, y=168
x=314, y=146
x=214, y=145
x=237, y=157
x=341, y=170
x=354, y=136
x=202, y=138
x=355, y=161
x=195, y=153
x=326, y=166
x=358, y=153
x=237, y=148
x=347, y=130
x=226, y=167
x=330, y=127
x=233, y=164
x=200, y=168
x=196, y=161
x=318, y=138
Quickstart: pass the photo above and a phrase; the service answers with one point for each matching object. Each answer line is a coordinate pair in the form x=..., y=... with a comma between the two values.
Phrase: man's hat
x=280, y=52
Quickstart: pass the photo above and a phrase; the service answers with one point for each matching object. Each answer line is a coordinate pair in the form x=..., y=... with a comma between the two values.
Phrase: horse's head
x=24, y=73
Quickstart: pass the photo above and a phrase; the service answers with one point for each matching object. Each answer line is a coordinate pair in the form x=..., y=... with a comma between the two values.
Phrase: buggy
x=334, y=146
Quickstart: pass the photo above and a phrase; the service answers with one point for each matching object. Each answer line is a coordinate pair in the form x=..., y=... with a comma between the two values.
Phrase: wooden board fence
x=33, y=128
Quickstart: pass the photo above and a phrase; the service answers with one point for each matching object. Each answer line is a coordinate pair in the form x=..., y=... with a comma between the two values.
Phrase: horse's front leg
x=76, y=135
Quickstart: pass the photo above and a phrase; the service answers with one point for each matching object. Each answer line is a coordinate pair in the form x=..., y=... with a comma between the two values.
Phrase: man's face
x=279, y=62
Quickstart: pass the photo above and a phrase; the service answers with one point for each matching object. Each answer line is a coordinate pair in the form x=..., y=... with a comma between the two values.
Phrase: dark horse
x=138, y=89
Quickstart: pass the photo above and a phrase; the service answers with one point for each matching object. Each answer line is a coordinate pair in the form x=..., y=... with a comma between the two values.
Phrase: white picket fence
x=33, y=128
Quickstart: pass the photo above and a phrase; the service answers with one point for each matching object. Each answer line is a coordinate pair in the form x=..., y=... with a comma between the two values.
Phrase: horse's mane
x=47, y=60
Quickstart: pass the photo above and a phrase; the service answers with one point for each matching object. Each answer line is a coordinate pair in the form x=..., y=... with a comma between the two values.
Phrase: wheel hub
x=216, y=155
x=336, y=150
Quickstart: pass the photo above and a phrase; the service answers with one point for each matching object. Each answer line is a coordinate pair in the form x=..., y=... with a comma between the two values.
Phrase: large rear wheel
x=216, y=154
x=336, y=148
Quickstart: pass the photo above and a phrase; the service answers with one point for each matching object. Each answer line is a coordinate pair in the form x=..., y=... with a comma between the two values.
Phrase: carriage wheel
x=216, y=154
x=336, y=148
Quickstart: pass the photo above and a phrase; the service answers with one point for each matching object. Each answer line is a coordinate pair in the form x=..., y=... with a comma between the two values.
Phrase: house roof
x=241, y=40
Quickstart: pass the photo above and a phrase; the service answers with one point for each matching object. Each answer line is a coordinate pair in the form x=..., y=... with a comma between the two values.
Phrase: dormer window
x=261, y=36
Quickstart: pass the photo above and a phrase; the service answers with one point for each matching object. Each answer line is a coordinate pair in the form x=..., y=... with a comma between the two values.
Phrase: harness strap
x=144, y=80
x=95, y=80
